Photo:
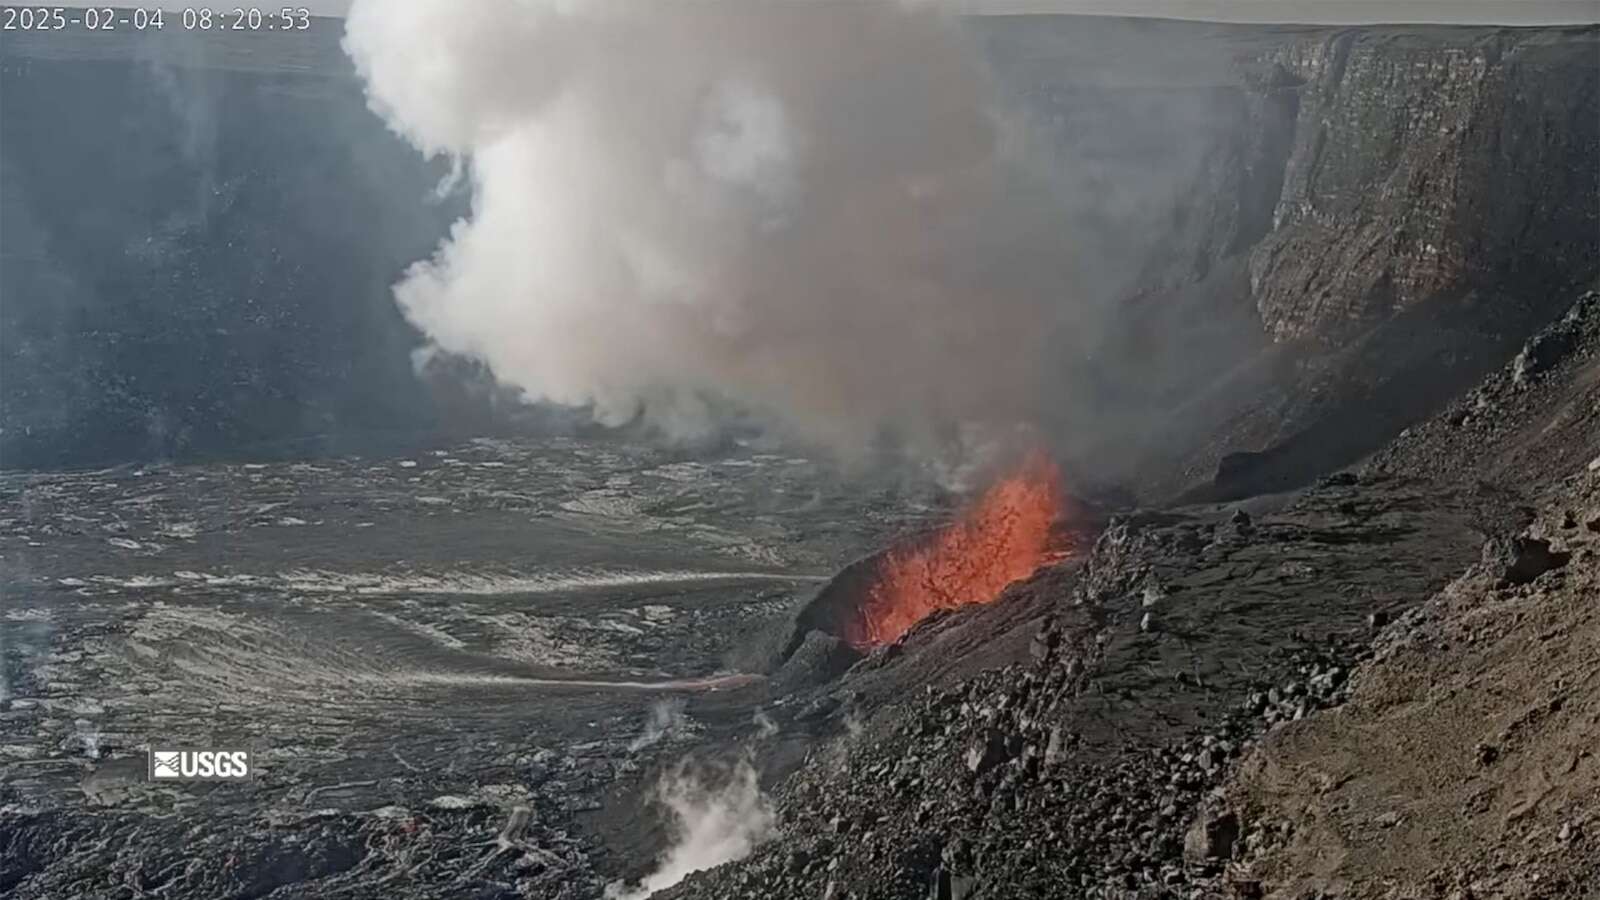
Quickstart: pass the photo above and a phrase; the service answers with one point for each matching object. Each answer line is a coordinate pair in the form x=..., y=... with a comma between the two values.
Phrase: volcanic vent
x=1019, y=524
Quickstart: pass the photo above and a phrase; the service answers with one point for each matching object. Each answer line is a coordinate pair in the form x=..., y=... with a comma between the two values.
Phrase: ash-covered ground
x=412, y=647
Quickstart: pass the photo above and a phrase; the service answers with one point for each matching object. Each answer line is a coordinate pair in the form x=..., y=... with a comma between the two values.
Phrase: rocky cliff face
x=1427, y=167
x=1353, y=173
x=1441, y=202
x=1307, y=238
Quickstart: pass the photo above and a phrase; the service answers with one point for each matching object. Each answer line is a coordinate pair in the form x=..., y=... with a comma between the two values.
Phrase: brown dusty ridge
x=1466, y=762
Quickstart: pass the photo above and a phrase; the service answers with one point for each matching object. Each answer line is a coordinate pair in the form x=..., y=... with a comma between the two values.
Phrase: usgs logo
x=199, y=765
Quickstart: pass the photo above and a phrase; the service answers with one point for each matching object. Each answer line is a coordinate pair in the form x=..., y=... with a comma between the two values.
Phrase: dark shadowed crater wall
x=197, y=238
x=1318, y=235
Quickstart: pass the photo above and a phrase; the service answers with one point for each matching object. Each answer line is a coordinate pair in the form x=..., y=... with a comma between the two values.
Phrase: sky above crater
x=1509, y=12
x=1340, y=12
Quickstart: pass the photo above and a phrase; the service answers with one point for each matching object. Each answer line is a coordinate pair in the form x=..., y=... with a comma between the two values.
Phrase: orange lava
x=1003, y=537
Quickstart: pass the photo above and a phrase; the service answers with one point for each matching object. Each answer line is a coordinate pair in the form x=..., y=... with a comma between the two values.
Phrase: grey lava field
x=806, y=452
x=443, y=622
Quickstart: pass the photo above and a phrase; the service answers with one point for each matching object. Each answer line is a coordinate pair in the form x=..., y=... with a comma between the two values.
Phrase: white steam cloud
x=714, y=824
x=766, y=727
x=796, y=210
x=666, y=719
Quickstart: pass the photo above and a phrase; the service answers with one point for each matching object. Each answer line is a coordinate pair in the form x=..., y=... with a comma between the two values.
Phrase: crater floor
x=461, y=631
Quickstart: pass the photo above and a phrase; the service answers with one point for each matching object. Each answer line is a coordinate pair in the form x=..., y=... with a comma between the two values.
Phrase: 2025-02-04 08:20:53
x=193, y=18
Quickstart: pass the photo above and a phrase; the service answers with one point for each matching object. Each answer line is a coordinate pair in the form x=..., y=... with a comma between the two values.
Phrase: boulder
x=820, y=658
x=986, y=751
x=1528, y=558
x=1210, y=839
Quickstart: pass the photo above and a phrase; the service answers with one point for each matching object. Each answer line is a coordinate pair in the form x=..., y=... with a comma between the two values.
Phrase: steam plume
x=714, y=825
x=765, y=726
x=803, y=211
x=666, y=719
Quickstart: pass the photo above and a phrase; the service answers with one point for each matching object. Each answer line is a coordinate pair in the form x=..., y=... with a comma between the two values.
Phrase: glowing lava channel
x=1005, y=536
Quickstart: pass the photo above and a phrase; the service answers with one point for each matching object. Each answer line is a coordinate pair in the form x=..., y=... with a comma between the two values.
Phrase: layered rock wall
x=1428, y=167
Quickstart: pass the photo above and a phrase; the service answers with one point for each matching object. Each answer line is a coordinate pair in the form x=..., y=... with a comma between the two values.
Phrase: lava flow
x=1005, y=536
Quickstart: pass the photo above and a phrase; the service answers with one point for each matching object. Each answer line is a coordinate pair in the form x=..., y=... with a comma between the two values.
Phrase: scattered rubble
x=1478, y=708
x=1047, y=778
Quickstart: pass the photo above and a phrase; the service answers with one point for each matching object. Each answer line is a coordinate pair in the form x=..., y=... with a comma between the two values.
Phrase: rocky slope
x=1485, y=699
x=1464, y=763
x=1217, y=704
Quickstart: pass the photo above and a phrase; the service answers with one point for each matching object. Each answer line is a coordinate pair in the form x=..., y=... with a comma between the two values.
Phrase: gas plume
x=667, y=719
x=810, y=213
x=716, y=820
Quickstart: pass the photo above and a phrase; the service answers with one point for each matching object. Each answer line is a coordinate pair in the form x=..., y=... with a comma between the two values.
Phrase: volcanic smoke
x=1003, y=537
x=814, y=214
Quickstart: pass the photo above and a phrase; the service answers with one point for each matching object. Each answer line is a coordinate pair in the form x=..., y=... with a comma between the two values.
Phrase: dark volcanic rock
x=1113, y=792
x=1080, y=771
x=986, y=751
x=1527, y=424
x=1211, y=838
x=1528, y=558
x=819, y=658
x=947, y=886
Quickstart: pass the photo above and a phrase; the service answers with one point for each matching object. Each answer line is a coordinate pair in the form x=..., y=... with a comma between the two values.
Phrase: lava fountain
x=1004, y=536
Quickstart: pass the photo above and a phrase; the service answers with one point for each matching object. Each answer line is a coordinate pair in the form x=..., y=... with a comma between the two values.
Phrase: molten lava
x=1003, y=537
